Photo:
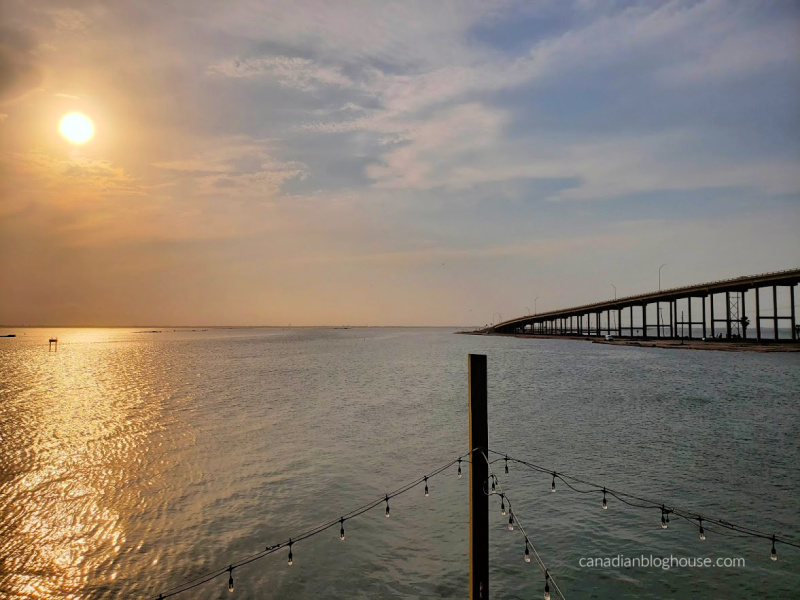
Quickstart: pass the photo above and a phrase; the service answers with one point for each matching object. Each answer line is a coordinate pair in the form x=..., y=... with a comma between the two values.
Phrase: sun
x=77, y=128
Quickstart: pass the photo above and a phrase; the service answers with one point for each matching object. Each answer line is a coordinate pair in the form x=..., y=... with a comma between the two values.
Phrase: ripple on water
x=130, y=462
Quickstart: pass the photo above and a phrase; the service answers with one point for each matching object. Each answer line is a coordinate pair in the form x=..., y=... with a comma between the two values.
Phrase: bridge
x=715, y=309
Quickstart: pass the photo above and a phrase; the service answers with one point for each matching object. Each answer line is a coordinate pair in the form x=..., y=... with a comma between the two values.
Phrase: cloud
x=293, y=72
x=237, y=164
x=20, y=70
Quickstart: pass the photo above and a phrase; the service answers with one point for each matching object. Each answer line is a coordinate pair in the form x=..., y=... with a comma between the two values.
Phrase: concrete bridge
x=715, y=309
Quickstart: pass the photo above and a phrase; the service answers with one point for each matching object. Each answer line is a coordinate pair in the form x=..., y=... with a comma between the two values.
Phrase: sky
x=271, y=162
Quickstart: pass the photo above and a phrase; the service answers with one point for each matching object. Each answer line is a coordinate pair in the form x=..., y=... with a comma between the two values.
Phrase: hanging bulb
x=426, y=486
x=702, y=533
x=493, y=484
x=605, y=504
x=341, y=530
x=459, y=468
x=527, y=552
x=291, y=561
x=663, y=520
x=387, y=507
x=506, y=465
x=510, y=520
x=230, y=579
x=546, y=585
x=502, y=505
x=773, y=555
x=553, y=485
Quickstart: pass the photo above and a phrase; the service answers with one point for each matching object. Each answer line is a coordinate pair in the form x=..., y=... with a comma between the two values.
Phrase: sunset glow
x=77, y=128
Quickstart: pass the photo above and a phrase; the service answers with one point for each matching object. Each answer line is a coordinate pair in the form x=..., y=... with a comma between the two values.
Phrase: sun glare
x=77, y=128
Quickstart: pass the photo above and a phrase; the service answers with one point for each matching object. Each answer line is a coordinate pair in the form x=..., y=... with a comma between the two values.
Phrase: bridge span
x=715, y=309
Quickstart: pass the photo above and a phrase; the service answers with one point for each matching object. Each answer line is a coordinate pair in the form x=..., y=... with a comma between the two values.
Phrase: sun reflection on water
x=75, y=428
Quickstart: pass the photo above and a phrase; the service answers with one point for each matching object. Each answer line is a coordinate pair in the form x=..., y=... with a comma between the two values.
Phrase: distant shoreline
x=686, y=344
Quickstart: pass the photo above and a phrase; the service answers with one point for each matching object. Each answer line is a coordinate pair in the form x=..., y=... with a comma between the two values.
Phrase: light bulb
x=510, y=520
x=553, y=485
x=387, y=508
x=773, y=555
x=230, y=579
x=502, y=505
x=506, y=465
x=702, y=533
x=291, y=561
x=493, y=485
x=459, y=468
x=341, y=531
x=605, y=504
x=663, y=521
x=546, y=585
x=527, y=552
x=426, y=486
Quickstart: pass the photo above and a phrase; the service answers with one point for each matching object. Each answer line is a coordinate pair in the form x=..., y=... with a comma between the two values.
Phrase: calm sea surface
x=131, y=462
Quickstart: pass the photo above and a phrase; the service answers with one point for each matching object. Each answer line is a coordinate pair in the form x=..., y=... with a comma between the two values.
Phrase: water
x=130, y=462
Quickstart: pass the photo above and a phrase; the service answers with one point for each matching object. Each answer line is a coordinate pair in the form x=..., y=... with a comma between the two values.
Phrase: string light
x=640, y=502
x=512, y=520
x=268, y=550
x=546, y=585
x=502, y=505
x=506, y=465
x=625, y=498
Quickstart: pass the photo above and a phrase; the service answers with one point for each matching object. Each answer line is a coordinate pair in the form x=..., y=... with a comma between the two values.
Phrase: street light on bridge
x=615, y=291
x=659, y=275
x=534, y=304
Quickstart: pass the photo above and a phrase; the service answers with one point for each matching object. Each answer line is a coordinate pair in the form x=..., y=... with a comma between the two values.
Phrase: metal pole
x=743, y=316
x=711, y=306
x=791, y=302
x=478, y=479
x=704, y=317
x=758, y=314
x=644, y=320
x=672, y=312
x=659, y=275
x=689, y=302
x=728, y=312
x=775, y=309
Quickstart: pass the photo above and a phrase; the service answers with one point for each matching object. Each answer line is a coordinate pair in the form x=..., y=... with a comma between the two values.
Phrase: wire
x=205, y=578
x=514, y=519
x=646, y=503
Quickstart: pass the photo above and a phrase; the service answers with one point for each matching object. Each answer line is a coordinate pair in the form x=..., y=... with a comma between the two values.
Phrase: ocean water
x=131, y=462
